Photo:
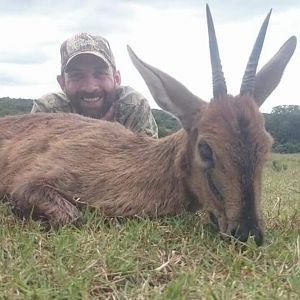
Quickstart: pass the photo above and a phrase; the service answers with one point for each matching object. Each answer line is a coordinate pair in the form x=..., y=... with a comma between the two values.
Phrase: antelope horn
x=219, y=84
x=247, y=87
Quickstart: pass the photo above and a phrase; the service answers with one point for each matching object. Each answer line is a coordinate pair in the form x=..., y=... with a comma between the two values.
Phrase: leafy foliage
x=167, y=124
x=284, y=125
x=10, y=106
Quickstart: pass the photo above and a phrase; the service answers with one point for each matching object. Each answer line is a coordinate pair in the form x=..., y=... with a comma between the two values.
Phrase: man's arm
x=38, y=107
x=54, y=102
x=134, y=112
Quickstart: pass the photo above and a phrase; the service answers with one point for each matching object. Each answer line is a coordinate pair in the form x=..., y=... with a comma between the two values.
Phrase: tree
x=284, y=125
x=9, y=106
x=167, y=123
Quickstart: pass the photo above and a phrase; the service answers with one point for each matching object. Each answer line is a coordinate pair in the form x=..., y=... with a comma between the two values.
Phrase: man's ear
x=117, y=78
x=61, y=80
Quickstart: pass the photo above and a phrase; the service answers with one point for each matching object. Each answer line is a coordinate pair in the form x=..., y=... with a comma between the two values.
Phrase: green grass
x=169, y=258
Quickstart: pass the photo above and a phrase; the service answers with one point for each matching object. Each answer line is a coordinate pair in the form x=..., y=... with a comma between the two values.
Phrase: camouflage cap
x=86, y=43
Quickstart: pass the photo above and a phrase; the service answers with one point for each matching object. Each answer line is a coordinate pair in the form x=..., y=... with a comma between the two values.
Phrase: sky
x=170, y=35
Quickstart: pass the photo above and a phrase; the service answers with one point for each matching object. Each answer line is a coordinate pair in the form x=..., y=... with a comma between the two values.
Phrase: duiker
x=52, y=163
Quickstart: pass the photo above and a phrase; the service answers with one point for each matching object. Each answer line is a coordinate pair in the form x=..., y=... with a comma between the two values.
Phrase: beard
x=93, y=105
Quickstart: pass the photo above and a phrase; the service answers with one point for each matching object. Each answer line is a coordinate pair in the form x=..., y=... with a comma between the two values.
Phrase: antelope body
x=49, y=161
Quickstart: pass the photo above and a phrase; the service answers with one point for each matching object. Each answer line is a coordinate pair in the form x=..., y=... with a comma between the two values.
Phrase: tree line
x=283, y=123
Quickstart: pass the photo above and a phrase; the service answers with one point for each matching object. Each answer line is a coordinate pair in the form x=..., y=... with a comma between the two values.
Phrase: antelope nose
x=242, y=234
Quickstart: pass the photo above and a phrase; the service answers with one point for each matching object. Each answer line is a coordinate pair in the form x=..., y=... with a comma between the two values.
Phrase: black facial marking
x=193, y=204
x=245, y=158
x=213, y=187
x=244, y=154
x=243, y=125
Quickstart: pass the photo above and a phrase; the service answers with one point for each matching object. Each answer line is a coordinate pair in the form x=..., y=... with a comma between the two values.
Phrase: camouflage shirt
x=132, y=109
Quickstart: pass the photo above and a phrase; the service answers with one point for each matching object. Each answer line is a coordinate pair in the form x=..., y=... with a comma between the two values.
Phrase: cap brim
x=99, y=55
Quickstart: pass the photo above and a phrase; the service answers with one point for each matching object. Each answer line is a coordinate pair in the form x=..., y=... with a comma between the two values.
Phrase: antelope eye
x=205, y=152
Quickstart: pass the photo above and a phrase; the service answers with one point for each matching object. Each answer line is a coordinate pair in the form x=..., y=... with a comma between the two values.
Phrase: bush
x=9, y=106
x=286, y=148
x=167, y=124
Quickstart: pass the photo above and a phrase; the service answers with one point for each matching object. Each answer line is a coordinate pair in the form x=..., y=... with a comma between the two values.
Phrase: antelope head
x=227, y=144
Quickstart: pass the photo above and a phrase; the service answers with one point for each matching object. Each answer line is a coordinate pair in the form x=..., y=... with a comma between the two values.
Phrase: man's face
x=90, y=85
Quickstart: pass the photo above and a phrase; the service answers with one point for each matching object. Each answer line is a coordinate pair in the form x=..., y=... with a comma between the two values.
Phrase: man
x=91, y=86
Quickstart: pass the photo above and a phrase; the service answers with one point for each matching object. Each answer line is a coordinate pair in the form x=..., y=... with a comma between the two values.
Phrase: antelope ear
x=267, y=79
x=168, y=93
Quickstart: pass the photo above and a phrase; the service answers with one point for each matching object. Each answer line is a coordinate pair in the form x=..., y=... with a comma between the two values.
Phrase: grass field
x=170, y=258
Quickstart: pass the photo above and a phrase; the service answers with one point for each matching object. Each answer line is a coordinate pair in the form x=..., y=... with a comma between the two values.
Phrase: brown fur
x=90, y=159
x=49, y=159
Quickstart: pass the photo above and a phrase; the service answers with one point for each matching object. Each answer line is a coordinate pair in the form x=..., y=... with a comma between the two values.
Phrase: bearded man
x=91, y=86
